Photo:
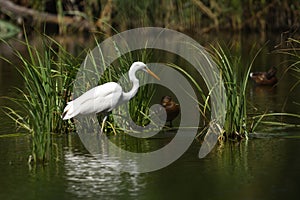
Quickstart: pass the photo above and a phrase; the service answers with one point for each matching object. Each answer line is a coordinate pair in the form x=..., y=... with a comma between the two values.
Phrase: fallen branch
x=208, y=12
x=259, y=14
x=16, y=11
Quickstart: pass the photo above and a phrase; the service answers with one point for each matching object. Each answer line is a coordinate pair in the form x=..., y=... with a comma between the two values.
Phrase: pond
x=267, y=166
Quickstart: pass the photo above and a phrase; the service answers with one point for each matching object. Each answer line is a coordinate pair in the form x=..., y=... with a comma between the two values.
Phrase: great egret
x=171, y=107
x=265, y=78
x=104, y=98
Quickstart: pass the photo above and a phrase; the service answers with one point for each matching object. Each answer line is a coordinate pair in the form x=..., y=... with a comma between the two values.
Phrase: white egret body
x=104, y=98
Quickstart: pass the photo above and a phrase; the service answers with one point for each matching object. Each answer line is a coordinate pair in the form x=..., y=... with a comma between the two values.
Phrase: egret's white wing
x=101, y=98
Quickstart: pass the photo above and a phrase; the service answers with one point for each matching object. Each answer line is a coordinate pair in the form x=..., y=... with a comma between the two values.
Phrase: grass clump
x=235, y=78
x=49, y=72
x=238, y=122
x=47, y=75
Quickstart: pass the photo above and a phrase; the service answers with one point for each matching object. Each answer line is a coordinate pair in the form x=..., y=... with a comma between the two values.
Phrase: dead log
x=208, y=12
x=17, y=11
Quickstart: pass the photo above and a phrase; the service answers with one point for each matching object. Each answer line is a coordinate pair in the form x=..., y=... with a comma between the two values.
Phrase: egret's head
x=142, y=66
x=138, y=65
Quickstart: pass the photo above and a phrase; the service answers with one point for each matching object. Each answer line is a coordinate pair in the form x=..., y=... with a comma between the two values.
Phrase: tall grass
x=47, y=85
x=49, y=73
x=238, y=122
x=294, y=55
x=235, y=78
x=203, y=97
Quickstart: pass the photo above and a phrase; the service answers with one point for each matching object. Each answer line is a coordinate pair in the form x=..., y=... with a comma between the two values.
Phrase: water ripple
x=91, y=177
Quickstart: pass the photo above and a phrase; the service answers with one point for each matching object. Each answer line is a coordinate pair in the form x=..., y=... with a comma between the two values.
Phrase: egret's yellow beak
x=152, y=74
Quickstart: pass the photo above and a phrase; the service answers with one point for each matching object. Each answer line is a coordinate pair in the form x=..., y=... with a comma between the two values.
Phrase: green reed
x=294, y=56
x=47, y=75
x=238, y=122
x=235, y=79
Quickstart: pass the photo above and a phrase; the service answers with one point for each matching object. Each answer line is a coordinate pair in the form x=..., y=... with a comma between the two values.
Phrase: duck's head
x=264, y=78
x=165, y=100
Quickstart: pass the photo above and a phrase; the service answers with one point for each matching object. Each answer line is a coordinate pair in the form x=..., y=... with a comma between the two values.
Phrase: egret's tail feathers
x=69, y=111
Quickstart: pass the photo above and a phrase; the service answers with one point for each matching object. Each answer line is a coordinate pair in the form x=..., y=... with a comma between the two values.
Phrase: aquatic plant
x=294, y=55
x=47, y=75
x=239, y=122
x=202, y=94
x=235, y=79
x=49, y=72
x=291, y=53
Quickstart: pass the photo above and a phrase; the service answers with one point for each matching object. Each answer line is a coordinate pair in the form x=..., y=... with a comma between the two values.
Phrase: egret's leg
x=103, y=122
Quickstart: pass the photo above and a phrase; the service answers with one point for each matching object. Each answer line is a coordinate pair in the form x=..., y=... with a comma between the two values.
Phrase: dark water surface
x=257, y=169
x=266, y=166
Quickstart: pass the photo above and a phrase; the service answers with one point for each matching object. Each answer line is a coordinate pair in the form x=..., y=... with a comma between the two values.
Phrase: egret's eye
x=145, y=69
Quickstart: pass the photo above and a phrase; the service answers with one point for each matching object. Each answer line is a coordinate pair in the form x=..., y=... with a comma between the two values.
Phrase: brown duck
x=265, y=78
x=171, y=107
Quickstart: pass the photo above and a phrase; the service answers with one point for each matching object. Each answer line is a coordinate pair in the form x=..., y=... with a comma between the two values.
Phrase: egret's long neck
x=135, y=86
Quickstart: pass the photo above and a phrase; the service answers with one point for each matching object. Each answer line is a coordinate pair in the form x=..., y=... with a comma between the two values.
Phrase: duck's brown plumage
x=265, y=78
x=171, y=107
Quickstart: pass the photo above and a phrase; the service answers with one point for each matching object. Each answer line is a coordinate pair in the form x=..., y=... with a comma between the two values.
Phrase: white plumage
x=104, y=98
